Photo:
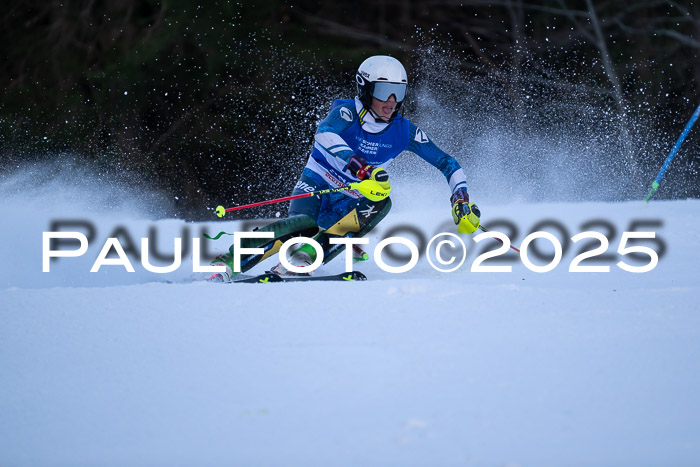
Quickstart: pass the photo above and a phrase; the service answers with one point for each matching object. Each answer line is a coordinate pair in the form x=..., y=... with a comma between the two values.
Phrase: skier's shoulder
x=416, y=134
x=345, y=109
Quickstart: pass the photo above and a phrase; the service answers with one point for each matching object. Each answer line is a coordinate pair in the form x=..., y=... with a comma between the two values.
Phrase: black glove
x=364, y=171
x=465, y=214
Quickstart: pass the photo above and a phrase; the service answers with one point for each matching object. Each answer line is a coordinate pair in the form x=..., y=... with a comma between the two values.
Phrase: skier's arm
x=420, y=144
x=465, y=214
x=328, y=137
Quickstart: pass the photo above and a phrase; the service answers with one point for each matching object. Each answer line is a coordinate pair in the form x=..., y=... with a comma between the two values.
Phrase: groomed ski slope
x=420, y=368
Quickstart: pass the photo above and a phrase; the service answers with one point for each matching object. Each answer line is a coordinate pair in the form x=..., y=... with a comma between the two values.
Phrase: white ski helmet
x=381, y=76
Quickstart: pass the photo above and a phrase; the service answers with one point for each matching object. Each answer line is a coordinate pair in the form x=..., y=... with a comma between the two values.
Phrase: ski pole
x=486, y=230
x=221, y=211
x=368, y=188
x=672, y=154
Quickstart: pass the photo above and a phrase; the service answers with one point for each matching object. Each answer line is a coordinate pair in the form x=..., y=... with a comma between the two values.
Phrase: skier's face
x=385, y=109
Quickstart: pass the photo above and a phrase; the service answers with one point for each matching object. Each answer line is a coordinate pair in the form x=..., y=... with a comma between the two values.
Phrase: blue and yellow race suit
x=349, y=129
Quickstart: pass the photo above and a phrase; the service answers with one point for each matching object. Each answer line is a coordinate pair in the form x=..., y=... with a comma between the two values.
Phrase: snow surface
x=421, y=368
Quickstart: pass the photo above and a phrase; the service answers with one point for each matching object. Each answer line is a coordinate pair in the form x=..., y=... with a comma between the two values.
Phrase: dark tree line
x=218, y=100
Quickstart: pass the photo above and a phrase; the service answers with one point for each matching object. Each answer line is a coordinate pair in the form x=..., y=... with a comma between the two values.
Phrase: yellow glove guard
x=372, y=189
x=380, y=176
x=466, y=216
x=375, y=184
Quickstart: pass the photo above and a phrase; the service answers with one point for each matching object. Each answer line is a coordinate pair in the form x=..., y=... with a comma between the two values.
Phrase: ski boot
x=223, y=259
x=303, y=256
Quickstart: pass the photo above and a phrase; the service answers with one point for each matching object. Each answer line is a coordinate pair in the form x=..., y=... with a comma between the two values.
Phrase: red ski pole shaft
x=486, y=230
x=271, y=201
x=221, y=211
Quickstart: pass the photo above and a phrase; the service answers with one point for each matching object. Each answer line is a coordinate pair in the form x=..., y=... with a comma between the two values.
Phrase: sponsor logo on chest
x=372, y=147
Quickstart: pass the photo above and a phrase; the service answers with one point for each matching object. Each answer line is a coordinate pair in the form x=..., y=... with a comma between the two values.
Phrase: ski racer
x=357, y=140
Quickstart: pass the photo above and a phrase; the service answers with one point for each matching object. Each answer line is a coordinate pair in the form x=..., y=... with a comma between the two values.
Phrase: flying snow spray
x=672, y=154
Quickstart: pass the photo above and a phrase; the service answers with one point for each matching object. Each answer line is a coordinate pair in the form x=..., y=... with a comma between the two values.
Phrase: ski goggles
x=383, y=91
